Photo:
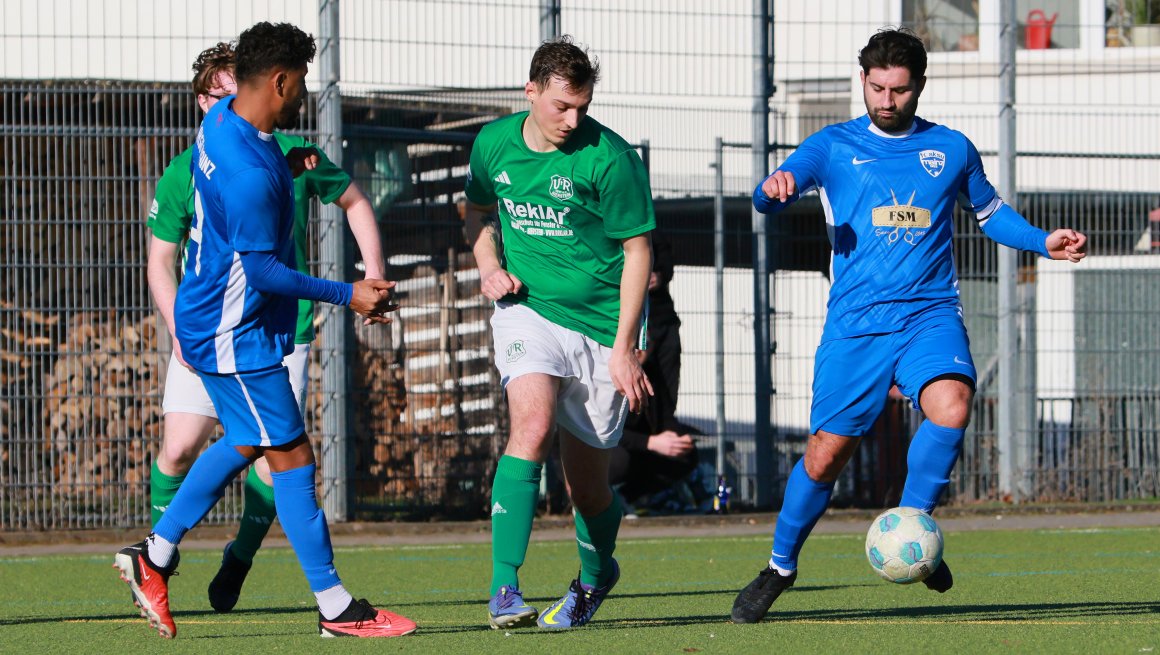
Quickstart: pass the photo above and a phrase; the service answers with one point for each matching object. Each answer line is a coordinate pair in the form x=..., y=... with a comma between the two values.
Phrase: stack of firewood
x=102, y=411
x=26, y=341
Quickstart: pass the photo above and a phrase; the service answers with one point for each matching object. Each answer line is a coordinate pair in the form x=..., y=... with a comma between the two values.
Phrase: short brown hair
x=894, y=47
x=562, y=58
x=211, y=62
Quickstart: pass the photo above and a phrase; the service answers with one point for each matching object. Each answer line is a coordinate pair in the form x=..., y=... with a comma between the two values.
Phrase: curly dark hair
x=894, y=47
x=266, y=46
x=211, y=62
x=562, y=58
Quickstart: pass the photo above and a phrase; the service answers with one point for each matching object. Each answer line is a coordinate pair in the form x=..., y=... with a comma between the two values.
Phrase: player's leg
x=591, y=414
x=851, y=380
x=147, y=566
x=515, y=492
x=293, y=469
x=530, y=363
x=271, y=424
x=935, y=366
x=189, y=420
x=259, y=510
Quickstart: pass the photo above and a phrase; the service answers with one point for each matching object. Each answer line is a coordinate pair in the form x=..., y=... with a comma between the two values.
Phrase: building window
x=1132, y=23
x=944, y=25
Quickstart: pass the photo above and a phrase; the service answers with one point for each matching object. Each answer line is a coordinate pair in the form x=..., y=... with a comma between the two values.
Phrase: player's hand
x=670, y=444
x=779, y=186
x=177, y=354
x=1067, y=244
x=302, y=159
x=629, y=379
x=499, y=283
x=367, y=321
x=373, y=300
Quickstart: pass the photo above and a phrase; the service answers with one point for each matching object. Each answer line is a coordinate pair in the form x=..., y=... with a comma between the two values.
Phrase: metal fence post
x=763, y=384
x=719, y=310
x=332, y=265
x=1008, y=343
x=549, y=19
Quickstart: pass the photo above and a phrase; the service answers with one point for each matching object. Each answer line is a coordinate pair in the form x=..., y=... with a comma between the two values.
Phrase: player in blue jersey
x=887, y=181
x=235, y=318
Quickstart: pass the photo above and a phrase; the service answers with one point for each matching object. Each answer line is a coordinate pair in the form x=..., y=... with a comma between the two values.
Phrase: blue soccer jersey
x=243, y=202
x=888, y=201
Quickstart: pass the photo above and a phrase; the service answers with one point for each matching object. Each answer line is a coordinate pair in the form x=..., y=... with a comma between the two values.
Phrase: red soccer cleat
x=150, y=587
x=360, y=619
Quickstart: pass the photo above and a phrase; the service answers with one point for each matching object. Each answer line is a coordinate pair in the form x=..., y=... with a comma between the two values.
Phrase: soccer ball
x=904, y=545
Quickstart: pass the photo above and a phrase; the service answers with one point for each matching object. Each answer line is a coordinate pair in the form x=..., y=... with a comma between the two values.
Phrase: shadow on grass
x=131, y=613
x=1005, y=613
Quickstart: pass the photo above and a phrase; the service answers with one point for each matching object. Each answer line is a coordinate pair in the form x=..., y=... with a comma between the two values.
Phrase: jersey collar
x=874, y=129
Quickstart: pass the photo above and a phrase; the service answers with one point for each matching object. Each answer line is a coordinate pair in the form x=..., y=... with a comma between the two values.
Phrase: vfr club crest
x=560, y=187
x=933, y=161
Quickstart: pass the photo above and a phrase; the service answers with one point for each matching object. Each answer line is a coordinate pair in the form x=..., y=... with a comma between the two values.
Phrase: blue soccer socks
x=932, y=454
x=201, y=490
x=805, y=501
x=305, y=525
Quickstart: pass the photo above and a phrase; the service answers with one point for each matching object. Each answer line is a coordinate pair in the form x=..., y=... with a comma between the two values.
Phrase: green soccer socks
x=514, y=495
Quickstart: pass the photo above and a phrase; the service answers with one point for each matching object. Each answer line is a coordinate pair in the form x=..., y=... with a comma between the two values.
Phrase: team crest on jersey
x=516, y=350
x=933, y=161
x=560, y=187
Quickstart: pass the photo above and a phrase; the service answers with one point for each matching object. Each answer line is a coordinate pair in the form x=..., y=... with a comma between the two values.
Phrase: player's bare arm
x=361, y=218
x=360, y=215
x=161, y=271
x=780, y=185
x=494, y=281
x=624, y=367
x=1067, y=244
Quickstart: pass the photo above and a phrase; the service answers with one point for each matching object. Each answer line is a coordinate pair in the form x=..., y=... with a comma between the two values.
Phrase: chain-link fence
x=95, y=100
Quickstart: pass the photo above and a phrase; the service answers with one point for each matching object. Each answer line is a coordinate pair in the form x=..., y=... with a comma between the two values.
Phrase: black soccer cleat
x=755, y=599
x=941, y=580
x=226, y=586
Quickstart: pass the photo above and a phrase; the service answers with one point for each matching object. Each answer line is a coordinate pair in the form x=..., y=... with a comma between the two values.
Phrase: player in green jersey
x=189, y=415
x=567, y=264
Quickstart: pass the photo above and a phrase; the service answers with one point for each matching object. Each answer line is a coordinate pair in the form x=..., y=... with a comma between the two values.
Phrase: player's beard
x=288, y=117
x=899, y=120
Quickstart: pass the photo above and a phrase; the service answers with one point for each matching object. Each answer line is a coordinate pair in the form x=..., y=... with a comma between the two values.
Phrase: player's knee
x=530, y=441
x=822, y=467
x=950, y=411
x=590, y=501
x=177, y=457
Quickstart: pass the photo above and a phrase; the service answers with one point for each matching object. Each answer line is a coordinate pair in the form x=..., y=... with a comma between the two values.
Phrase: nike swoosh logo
x=859, y=162
x=550, y=617
x=959, y=361
x=144, y=574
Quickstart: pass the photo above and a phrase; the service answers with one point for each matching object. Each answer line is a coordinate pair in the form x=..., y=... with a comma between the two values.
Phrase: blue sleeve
x=808, y=165
x=1007, y=227
x=253, y=210
x=976, y=193
x=266, y=274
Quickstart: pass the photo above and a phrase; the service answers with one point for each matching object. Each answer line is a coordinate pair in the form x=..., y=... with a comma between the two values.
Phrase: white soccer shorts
x=185, y=394
x=588, y=404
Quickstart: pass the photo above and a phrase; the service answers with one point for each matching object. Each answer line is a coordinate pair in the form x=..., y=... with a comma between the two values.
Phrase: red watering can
x=1037, y=34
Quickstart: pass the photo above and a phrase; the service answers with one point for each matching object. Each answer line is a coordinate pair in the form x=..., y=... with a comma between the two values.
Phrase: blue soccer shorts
x=853, y=376
x=256, y=408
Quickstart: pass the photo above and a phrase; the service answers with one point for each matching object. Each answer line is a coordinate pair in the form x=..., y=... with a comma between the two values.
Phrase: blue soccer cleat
x=578, y=605
x=507, y=609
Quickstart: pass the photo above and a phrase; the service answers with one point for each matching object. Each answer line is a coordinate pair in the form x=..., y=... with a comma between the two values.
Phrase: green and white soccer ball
x=904, y=545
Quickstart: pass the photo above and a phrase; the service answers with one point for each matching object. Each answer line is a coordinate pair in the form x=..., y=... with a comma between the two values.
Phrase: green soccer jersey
x=172, y=209
x=563, y=215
